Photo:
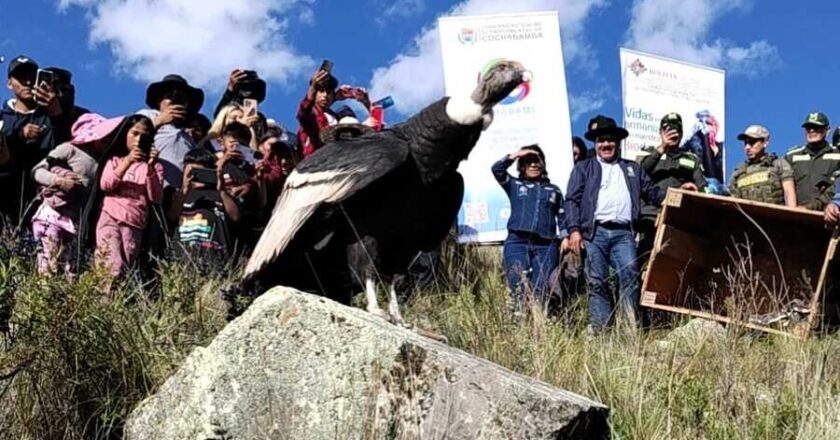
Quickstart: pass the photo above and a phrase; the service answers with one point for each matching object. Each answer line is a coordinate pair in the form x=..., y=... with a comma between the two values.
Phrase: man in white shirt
x=602, y=203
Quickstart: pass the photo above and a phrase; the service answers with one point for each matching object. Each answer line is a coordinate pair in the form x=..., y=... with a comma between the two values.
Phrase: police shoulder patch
x=795, y=149
x=687, y=162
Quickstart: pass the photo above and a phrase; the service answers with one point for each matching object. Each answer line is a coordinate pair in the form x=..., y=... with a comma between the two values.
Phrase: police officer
x=668, y=167
x=762, y=177
x=815, y=164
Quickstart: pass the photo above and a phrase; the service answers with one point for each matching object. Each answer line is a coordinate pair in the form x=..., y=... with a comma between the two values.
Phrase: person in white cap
x=763, y=177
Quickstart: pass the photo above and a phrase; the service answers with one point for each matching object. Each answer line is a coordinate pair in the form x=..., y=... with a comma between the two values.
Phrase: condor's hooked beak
x=498, y=82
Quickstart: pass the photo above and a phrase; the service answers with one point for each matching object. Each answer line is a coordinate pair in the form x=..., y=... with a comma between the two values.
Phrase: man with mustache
x=602, y=205
x=816, y=164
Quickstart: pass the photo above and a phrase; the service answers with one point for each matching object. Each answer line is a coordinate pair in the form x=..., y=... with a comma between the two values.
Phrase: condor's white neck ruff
x=465, y=111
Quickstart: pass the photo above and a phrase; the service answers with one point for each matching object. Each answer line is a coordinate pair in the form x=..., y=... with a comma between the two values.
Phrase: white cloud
x=423, y=58
x=203, y=40
x=681, y=28
x=399, y=9
x=585, y=103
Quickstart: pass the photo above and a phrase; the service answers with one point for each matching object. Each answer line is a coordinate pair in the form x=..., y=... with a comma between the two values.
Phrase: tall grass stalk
x=74, y=359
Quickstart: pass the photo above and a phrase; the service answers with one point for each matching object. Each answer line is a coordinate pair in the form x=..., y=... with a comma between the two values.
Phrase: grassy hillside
x=74, y=360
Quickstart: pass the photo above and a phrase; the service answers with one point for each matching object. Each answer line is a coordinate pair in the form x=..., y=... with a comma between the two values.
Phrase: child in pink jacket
x=131, y=180
x=67, y=176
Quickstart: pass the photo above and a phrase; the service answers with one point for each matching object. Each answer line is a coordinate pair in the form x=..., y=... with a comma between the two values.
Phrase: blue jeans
x=616, y=249
x=529, y=259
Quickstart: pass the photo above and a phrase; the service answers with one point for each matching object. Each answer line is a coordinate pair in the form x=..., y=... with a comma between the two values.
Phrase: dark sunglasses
x=814, y=128
x=751, y=141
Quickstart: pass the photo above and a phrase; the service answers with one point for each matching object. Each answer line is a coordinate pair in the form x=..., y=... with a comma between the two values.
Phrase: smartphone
x=327, y=66
x=206, y=176
x=384, y=102
x=145, y=144
x=44, y=77
x=250, y=106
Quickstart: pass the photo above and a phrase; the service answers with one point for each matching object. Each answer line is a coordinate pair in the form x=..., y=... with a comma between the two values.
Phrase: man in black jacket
x=603, y=202
x=26, y=123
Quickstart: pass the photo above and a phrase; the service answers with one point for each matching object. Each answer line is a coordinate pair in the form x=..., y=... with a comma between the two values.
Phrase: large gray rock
x=298, y=366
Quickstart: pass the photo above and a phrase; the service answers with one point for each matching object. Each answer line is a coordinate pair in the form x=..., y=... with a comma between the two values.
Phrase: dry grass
x=728, y=384
x=75, y=364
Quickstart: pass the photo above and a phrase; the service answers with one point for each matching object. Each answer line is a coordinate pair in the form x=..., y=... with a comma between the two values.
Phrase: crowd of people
x=122, y=192
x=168, y=180
x=607, y=217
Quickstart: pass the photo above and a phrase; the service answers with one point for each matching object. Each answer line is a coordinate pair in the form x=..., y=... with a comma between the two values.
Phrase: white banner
x=534, y=113
x=653, y=86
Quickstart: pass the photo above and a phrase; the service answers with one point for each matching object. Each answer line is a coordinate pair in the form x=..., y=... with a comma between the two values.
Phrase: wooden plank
x=817, y=296
x=723, y=319
x=684, y=253
x=759, y=208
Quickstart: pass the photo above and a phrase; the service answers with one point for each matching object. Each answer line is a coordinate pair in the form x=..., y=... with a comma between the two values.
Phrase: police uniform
x=815, y=167
x=761, y=180
x=671, y=169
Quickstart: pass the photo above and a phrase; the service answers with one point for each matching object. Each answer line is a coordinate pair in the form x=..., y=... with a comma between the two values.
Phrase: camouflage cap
x=673, y=120
x=816, y=118
x=755, y=132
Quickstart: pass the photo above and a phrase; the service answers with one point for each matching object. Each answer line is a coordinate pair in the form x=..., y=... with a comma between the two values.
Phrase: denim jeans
x=616, y=249
x=532, y=257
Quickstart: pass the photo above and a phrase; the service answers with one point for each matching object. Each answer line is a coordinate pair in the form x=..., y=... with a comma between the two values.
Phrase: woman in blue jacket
x=536, y=213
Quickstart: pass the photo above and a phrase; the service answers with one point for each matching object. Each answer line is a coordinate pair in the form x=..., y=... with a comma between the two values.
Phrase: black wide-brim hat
x=601, y=125
x=156, y=90
x=254, y=89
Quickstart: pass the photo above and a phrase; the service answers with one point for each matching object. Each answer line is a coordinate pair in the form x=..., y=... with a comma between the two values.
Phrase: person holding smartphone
x=27, y=128
x=66, y=178
x=132, y=180
x=172, y=103
x=205, y=213
x=314, y=113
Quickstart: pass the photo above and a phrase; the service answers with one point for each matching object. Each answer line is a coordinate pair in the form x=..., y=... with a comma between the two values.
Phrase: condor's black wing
x=330, y=175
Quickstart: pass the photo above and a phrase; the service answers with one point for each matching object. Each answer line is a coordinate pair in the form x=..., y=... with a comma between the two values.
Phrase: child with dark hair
x=67, y=176
x=132, y=179
x=237, y=176
x=205, y=212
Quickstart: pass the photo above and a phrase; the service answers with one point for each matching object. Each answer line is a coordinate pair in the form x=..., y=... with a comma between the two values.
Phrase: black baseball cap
x=22, y=64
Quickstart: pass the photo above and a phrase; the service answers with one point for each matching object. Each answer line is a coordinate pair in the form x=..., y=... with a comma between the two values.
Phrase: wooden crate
x=731, y=260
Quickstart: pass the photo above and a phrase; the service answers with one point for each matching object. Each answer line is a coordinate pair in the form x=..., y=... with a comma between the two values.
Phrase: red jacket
x=311, y=120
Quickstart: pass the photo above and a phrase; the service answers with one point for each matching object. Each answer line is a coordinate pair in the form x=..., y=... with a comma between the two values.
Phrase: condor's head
x=498, y=82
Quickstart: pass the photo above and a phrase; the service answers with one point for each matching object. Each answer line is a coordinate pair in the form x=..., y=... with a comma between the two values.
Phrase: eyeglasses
x=751, y=141
x=814, y=128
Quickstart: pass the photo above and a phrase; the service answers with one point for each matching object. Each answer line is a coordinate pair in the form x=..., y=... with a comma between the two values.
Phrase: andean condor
x=357, y=211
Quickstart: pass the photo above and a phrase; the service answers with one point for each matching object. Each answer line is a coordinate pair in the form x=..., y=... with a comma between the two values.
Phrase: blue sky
x=778, y=56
